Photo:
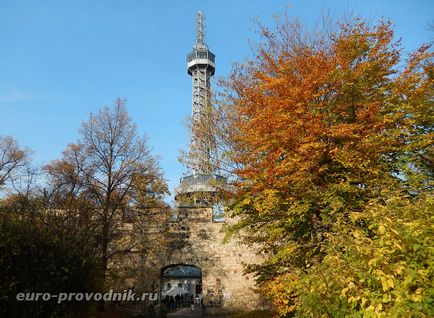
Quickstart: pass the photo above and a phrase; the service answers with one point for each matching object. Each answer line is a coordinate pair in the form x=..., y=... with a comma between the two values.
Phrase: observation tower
x=202, y=174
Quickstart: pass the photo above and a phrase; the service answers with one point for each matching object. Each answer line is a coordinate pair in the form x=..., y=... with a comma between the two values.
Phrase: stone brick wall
x=193, y=239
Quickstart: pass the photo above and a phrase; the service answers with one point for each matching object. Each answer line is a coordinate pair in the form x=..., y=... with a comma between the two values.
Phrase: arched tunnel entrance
x=181, y=284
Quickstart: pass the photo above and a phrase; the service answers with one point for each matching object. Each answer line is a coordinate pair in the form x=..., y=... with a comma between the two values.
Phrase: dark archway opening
x=181, y=286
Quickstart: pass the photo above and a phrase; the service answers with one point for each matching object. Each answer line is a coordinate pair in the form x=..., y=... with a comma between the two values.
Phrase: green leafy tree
x=43, y=255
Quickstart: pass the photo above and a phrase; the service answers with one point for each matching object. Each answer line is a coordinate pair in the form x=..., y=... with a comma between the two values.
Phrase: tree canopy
x=105, y=175
x=63, y=234
x=330, y=138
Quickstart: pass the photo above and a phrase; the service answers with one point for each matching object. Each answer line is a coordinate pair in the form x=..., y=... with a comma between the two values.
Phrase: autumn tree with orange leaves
x=329, y=137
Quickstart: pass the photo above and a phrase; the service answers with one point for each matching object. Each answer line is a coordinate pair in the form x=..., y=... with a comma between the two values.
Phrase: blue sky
x=60, y=60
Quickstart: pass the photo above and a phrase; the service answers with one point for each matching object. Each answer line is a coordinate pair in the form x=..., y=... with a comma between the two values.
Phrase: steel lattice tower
x=201, y=66
x=203, y=175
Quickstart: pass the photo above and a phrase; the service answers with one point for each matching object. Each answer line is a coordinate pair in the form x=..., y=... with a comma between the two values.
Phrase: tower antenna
x=200, y=31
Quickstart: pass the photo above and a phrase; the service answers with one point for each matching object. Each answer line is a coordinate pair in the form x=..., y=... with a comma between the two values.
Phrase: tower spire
x=200, y=31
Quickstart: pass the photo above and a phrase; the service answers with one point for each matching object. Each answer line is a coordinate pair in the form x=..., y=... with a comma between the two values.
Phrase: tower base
x=199, y=189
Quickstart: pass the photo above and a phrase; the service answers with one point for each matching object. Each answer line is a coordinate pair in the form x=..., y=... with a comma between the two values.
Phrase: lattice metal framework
x=201, y=66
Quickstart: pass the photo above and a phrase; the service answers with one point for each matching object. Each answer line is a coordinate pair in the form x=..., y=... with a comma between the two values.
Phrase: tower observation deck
x=201, y=67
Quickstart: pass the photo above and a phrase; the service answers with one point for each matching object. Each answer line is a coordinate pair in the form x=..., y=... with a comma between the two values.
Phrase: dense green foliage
x=39, y=254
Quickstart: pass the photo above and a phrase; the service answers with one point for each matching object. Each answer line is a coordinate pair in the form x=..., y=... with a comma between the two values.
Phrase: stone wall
x=194, y=239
